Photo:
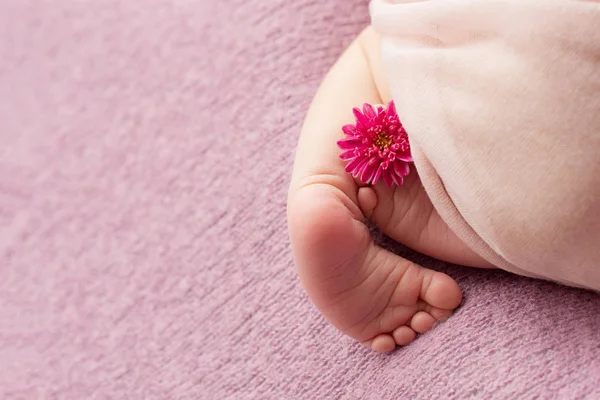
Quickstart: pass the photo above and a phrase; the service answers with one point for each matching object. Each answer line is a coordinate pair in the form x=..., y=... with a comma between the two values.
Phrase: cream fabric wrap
x=501, y=100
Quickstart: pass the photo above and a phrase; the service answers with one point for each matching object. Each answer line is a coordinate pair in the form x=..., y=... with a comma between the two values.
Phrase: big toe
x=441, y=291
x=367, y=200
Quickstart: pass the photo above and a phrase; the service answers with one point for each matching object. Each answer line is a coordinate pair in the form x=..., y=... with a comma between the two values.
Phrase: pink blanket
x=145, y=151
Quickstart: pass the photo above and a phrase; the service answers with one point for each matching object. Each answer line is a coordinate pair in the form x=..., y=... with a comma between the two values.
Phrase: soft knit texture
x=145, y=152
x=501, y=100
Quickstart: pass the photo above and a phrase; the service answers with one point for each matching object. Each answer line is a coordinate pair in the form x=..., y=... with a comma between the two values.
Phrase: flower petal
x=401, y=168
x=391, y=109
x=369, y=111
x=381, y=113
x=358, y=170
x=377, y=175
x=347, y=154
x=349, y=129
x=349, y=143
x=406, y=157
x=353, y=164
x=369, y=170
x=387, y=177
x=398, y=180
x=360, y=118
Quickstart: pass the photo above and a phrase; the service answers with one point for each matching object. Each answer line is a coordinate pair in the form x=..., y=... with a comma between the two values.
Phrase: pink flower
x=377, y=146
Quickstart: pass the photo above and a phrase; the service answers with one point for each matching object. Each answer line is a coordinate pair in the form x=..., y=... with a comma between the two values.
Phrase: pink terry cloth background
x=145, y=152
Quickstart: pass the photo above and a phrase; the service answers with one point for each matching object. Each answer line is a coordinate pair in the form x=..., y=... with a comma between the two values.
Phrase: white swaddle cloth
x=501, y=101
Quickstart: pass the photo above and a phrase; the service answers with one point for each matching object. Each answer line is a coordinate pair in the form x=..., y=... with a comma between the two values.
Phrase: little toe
x=404, y=335
x=383, y=343
x=367, y=200
x=422, y=322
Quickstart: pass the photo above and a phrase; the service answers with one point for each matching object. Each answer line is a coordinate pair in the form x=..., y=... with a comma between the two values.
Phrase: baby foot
x=407, y=215
x=370, y=294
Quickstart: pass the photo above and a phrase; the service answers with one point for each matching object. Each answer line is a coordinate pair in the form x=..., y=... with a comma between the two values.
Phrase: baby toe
x=383, y=343
x=404, y=335
x=422, y=322
x=367, y=200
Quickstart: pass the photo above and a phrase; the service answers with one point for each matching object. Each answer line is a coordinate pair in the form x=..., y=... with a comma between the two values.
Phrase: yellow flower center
x=382, y=141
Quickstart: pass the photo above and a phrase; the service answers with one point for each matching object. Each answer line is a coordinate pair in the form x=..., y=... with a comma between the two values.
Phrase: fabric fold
x=501, y=100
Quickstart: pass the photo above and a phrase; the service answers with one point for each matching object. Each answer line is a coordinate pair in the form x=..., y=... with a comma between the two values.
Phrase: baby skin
x=368, y=293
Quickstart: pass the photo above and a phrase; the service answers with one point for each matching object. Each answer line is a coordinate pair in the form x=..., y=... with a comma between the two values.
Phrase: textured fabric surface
x=145, y=150
x=507, y=144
